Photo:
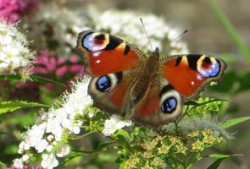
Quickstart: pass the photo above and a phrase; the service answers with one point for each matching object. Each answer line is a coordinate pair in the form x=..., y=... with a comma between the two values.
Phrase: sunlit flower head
x=130, y=28
x=49, y=161
x=52, y=126
x=113, y=124
x=14, y=51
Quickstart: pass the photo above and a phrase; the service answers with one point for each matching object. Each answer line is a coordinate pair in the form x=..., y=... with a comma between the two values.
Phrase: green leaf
x=193, y=103
x=224, y=155
x=123, y=141
x=228, y=57
x=34, y=78
x=40, y=79
x=122, y=165
x=10, y=77
x=216, y=164
x=105, y=144
x=233, y=83
x=220, y=158
x=10, y=106
x=2, y=164
x=123, y=133
x=230, y=29
x=233, y=122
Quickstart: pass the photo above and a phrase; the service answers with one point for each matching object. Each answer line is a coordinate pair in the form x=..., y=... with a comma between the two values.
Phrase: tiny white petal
x=63, y=150
x=113, y=124
x=49, y=148
x=25, y=157
x=18, y=163
x=49, y=161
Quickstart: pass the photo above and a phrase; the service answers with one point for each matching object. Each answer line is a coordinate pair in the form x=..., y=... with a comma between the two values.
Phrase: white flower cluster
x=14, y=52
x=49, y=130
x=66, y=23
x=113, y=124
x=127, y=24
x=124, y=24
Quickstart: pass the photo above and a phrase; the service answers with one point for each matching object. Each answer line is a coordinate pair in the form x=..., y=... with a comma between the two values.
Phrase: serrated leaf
x=233, y=122
x=7, y=109
x=10, y=106
x=34, y=78
x=45, y=80
x=10, y=77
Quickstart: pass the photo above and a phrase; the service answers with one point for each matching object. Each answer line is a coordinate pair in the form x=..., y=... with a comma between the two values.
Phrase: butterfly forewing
x=104, y=53
x=189, y=74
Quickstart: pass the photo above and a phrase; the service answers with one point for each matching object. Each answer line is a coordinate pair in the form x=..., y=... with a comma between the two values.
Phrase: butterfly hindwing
x=111, y=92
x=189, y=74
x=160, y=104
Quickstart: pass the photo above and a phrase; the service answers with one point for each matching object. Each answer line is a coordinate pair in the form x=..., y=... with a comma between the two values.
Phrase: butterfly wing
x=114, y=66
x=104, y=53
x=189, y=74
x=178, y=76
x=111, y=92
x=160, y=104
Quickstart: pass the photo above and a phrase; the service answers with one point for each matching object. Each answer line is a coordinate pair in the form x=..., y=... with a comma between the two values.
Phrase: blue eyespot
x=169, y=105
x=103, y=84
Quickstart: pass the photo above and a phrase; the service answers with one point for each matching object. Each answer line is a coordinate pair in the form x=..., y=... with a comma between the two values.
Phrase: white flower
x=14, y=52
x=66, y=22
x=18, y=163
x=113, y=124
x=25, y=157
x=49, y=148
x=49, y=161
x=34, y=138
x=63, y=150
x=23, y=146
x=45, y=135
x=41, y=146
x=132, y=31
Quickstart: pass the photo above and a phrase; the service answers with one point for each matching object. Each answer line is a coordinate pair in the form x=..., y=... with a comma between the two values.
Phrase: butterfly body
x=148, y=89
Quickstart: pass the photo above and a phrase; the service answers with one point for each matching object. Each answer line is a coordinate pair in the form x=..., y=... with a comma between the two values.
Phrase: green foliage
x=10, y=106
x=235, y=121
x=33, y=78
x=231, y=30
x=219, y=158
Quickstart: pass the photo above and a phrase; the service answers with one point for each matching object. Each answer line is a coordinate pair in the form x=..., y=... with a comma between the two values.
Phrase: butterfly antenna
x=143, y=26
x=175, y=39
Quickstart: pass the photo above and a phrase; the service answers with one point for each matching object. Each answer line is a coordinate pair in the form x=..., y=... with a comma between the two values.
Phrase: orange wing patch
x=184, y=79
x=109, y=61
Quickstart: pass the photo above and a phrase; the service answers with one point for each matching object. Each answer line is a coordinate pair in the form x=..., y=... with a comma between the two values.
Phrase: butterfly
x=149, y=90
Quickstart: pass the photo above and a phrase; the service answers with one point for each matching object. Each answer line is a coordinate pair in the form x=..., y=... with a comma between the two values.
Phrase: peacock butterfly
x=149, y=90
